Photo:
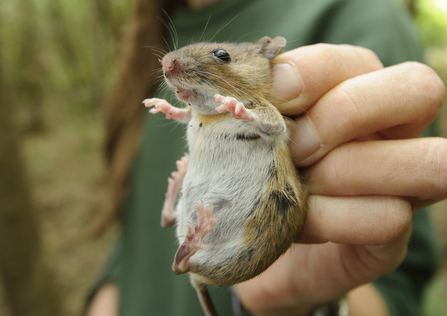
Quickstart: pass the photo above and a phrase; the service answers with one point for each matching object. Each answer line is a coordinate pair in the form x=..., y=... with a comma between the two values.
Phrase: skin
x=372, y=186
x=355, y=140
x=105, y=302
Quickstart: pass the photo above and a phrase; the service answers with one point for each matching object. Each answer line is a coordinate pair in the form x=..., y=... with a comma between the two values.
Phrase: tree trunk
x=98, y=47
x=27, y=285
x=412, y=7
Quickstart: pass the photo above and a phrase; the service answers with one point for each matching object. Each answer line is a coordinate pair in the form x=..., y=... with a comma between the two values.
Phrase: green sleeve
x=380, y=25
x=402, y=289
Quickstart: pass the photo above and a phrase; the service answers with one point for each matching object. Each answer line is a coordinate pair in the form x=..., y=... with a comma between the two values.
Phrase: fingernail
x=287, y=81
x=305, y=141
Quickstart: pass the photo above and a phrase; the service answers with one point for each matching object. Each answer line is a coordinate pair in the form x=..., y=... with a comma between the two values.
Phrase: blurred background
x=58, y=59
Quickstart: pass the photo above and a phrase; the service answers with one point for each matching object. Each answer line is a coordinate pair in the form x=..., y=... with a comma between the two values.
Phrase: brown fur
x=209, y=119
x=271, y=210
x=273, y=225
x=277, y=214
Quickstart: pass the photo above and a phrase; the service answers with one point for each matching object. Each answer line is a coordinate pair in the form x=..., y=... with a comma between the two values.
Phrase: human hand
x=366, y=171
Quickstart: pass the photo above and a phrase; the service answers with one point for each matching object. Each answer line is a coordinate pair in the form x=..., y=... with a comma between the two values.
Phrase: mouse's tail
x=204, y=296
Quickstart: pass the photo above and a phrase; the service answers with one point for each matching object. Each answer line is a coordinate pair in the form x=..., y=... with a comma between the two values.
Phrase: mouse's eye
x=222, y=55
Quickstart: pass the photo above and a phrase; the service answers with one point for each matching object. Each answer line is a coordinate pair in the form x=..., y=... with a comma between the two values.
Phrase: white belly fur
x=229, y=173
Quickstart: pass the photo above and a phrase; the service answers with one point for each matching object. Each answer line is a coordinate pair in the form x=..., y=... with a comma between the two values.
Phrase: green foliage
x=435, y=297
x=432, y=22
x=73, y=48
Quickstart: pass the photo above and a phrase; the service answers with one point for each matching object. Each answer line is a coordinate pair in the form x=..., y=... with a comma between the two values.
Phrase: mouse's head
x=199, y=71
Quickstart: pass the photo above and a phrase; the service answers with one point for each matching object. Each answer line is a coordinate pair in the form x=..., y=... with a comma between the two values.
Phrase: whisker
x=157, y=71
x=155, y=48
x=241, y=91
x=169, y=47
x=156, y=52
x=173, y=123
x=224, y=80
x=153, y=79
x=159, y=51
x=206, y=25
x=163, y=86
x=173, y=30
x=169, y=30
x=156, y=79
x=290, y=139
x=245, y=35
x=284, y=100
x=192, y=39
x=159, y=55
x=222, y=27
x=177, y=123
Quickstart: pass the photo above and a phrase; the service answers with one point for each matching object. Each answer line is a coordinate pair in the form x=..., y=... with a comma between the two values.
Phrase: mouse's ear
x=270, y=48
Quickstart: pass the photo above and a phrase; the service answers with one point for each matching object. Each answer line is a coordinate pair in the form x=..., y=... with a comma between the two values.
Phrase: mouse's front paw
x=161, y=105
x=236, y=108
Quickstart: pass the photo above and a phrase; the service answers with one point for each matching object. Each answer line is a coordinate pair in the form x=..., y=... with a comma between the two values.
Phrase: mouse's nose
x=169, y=65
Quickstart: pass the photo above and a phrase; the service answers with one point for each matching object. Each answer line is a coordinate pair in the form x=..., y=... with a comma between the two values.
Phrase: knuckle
x=350, y=103
x=397, y=220
x=435, y=170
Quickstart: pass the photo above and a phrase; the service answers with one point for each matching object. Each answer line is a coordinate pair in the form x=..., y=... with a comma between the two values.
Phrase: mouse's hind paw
x=168, y=213
x=193, y=241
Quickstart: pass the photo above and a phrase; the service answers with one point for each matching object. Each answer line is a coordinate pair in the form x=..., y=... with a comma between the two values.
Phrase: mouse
x=236, y=197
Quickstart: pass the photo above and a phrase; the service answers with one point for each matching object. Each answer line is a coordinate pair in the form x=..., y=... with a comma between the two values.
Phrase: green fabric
x=402, y=288
x=141, y=261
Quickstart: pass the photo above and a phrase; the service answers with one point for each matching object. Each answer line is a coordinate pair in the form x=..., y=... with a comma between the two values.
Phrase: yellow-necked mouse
x=241, y=204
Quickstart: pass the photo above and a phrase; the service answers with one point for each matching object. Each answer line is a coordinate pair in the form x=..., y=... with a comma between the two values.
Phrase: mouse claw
x=218, y=97
x=157, y=104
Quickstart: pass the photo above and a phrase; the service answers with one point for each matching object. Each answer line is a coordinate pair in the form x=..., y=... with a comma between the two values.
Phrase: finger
x=294, y=280
x=414, y=168
x=303, y=75
x=397, y=102
x=359, y=220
